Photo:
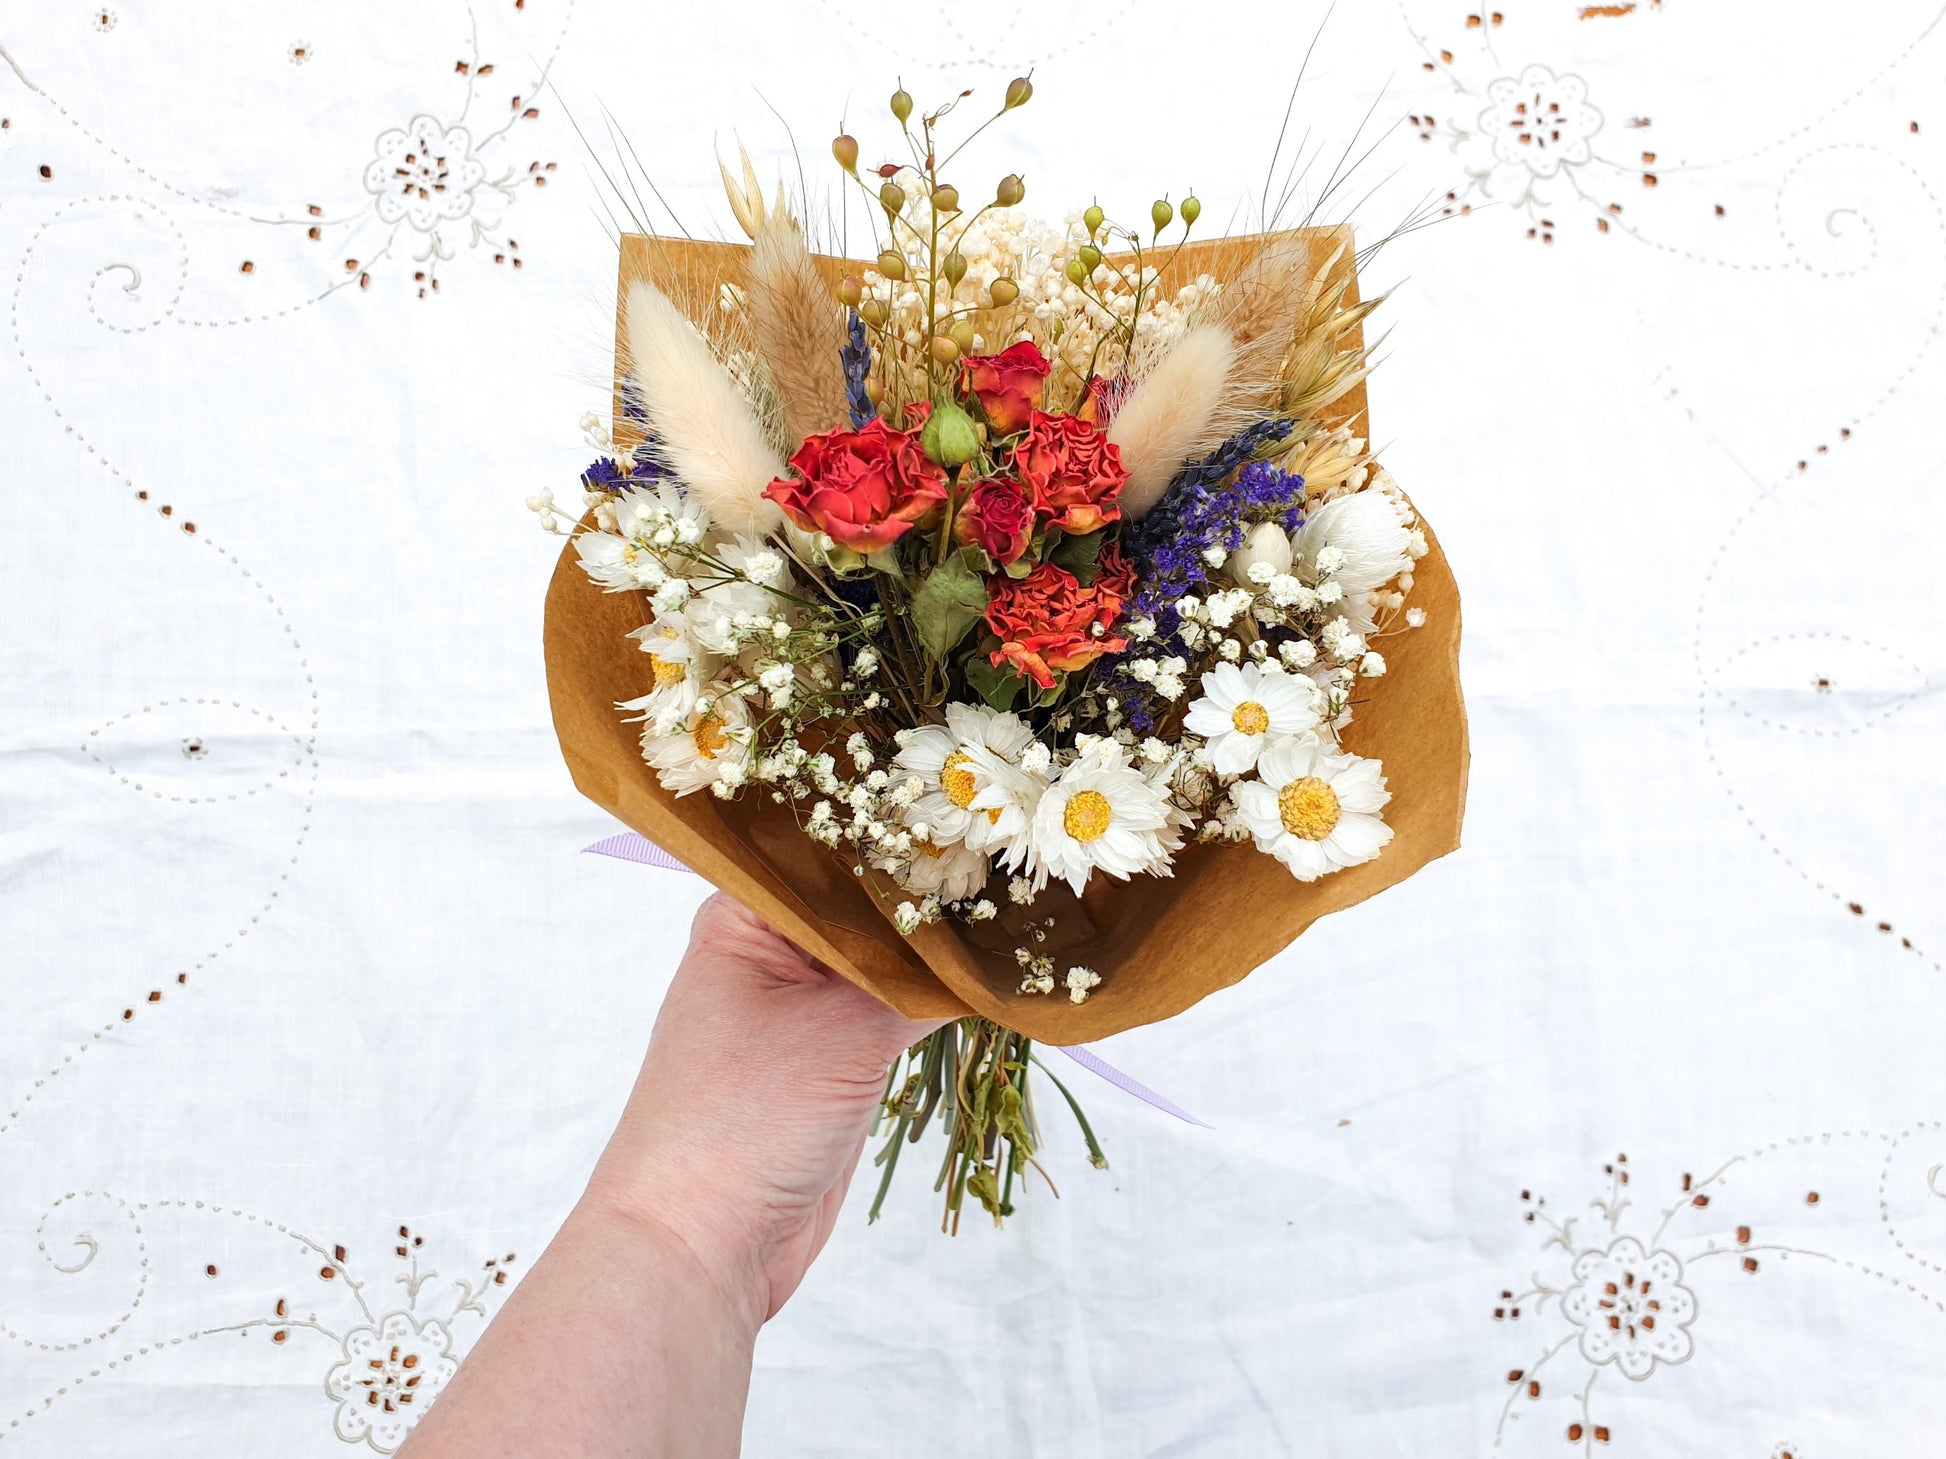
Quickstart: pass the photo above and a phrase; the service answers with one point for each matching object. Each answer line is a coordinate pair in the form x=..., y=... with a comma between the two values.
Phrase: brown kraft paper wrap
x=1159, y=943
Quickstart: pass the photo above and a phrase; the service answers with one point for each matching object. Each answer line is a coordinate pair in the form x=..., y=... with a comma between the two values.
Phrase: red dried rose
x=1048, y=623
x=1073, y=472
x=998, y=519
x=1008, y=384
x=865, y=488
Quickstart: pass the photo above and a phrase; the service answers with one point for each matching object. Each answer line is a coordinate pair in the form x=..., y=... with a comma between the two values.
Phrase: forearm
x=618, y=1342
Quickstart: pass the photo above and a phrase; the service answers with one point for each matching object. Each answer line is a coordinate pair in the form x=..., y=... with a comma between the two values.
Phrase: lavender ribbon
x=630, y=847
x=627, y=846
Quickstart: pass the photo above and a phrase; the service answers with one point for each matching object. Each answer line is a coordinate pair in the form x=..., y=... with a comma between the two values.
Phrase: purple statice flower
x=644, y=468
x=1210, y=504
x=634, y=408
x=857, y=358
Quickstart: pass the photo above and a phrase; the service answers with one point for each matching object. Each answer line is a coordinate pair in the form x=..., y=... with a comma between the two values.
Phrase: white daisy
x=951, y=872
x=1373, y=544
x=661, y=516
x=957, y=760
x=682, y=665
x=1314, y=809
x=705, y=746
x=1101, y=813
x=1246, y=709
x=763, y=578
x=612, y=561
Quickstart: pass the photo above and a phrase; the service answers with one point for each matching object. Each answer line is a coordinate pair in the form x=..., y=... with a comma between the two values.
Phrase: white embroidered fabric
x=1618, y=1131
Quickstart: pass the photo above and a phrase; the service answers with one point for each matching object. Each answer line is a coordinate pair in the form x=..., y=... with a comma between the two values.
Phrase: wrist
x=701, y=1246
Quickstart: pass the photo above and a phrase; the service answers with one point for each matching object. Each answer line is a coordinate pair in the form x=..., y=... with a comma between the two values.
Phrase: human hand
x=751, y=1110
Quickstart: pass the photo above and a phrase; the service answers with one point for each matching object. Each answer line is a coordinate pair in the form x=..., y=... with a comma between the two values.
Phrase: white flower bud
x=1267, y=544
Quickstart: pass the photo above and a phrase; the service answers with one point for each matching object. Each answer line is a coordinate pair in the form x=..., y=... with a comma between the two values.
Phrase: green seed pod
x=944, y=350
x=874, y=389
x=891, y=197
x=1076, y=272
x=962, y=334
x=945, y=198
x=1191, y=211
x=948, y=436
x=1160, y=213
x=845, y=149
x=892, y=264
x=874, y=312
x=1020, y=91
x=1090, y=256
x=901, y=105
x=1003, y=292
x=954, y=267
x=1010, y=191
x=850, y=291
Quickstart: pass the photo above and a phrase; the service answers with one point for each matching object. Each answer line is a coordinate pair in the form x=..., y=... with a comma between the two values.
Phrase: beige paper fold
x=1160, y=944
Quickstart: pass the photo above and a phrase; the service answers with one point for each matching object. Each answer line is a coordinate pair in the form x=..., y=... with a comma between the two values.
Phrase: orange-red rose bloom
x=1047, y=622
x=865, y=488
x=1072, y=471
x=1008, y=385
x=998, y=519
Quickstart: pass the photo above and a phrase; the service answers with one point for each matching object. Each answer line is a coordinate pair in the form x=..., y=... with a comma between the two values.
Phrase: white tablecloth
x=1621, y=1126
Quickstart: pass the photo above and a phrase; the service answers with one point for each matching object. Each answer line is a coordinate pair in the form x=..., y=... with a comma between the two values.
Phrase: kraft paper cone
x=1160, y=944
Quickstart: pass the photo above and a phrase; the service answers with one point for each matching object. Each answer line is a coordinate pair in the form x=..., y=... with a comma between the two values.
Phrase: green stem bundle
x=973, y=1074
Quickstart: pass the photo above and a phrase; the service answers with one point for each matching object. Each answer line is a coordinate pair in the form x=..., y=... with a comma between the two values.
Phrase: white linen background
x=299, y=950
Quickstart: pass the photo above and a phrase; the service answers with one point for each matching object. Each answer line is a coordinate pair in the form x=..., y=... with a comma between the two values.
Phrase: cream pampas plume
x=1176, y=414
x=708, y=434
x=797, y=329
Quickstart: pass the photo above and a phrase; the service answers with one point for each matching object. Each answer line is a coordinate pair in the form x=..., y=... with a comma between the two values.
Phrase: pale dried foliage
x=1320, y=368
x=1177, y=413
x=707, y=430
x=797, y=329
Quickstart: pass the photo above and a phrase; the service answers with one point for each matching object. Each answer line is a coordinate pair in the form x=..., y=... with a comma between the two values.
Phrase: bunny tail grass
x=1175, y=414
x=708, y=433
x=798, y=330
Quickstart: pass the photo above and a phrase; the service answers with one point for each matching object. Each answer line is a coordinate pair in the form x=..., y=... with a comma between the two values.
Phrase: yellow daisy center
x=957, y=780
x=1308, y=808
x=668, y=671
x=926, y=848
x=1250, y=718
x=1087, y=815
x=709, y=736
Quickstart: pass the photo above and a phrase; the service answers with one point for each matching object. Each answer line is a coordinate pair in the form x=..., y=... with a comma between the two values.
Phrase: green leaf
x=949, y=602
x=1010, y=1120
x=998, y=687
x=1080, y=555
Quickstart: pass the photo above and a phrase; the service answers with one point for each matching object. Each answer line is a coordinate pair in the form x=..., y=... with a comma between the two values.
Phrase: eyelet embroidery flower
x=1539, y=120
x=389, y=1375
x=424, y=174
x=1631, y=1307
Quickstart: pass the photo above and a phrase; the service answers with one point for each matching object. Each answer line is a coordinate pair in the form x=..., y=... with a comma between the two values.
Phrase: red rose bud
x=1008, y=385
x=865, y=489
x=1047, y=621
x=1073, y=472
x=998, y=519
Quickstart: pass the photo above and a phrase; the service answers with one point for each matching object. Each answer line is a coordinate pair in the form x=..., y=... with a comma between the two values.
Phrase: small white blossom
x=905, y=917
x=1372, y=666
x=1298, y=653
x=1079, y=981
x=1415, y=617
